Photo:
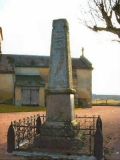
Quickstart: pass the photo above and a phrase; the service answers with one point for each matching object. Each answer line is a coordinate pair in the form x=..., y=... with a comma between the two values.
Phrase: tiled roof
x=34, y=80
x=8, y=61
x=31, y=61
x=82, y=63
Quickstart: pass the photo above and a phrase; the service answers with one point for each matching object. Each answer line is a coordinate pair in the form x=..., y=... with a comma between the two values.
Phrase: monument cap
x=64, y=22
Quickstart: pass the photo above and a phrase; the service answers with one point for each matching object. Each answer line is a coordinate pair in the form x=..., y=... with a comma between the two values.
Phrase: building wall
x=7, y=88
x=44, y=72
x=27, y=71
x=84, y=88
x=82, y=81
x=30, y=71
x=18, y=96
x=41, y=96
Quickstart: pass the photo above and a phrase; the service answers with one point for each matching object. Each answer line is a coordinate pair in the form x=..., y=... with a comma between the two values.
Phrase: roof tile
x=8, y=61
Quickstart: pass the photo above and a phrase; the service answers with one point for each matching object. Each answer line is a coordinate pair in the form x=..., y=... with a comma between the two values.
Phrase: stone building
x=24, y=78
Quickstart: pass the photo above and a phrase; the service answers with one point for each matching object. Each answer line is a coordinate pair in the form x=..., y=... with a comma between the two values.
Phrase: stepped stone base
x=60, y=129
x=60, y=144
x=60, y=138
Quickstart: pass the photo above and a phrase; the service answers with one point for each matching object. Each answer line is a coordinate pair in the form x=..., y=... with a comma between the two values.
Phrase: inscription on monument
x=59, y=78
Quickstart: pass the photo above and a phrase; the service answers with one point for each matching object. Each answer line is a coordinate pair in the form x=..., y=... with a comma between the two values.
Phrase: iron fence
x=88, y=141
x=60, y=136
x=23, y=131
x=88, y=126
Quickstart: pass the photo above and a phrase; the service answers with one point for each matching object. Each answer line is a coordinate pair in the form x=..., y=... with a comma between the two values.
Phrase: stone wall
x=41, y=96
x=82, y=82
x=84, y=88
x=44, y=72
x=7, y=88
x=18, y=96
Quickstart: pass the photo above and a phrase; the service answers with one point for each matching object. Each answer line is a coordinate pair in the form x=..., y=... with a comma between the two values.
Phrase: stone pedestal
x=60, y=107
x=60, y=110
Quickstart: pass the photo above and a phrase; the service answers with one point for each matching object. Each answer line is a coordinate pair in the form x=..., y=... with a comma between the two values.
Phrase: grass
x=5, y=108
x=78, y=108
x=11, y=108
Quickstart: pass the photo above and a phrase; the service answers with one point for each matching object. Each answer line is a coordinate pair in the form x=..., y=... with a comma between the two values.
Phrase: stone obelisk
x=60, y=92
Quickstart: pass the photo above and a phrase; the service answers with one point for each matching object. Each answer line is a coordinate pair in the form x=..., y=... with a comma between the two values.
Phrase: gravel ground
x=111, y=129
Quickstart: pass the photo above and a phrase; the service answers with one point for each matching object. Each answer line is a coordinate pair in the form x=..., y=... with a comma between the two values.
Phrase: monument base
x=60, y=129
x=60, y=107
x=60, y=144
x=59, y=135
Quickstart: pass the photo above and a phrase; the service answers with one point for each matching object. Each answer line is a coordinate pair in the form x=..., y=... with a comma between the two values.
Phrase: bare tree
x=101, y=15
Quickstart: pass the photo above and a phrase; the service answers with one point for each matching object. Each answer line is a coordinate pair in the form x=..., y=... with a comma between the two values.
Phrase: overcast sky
x=27, y=26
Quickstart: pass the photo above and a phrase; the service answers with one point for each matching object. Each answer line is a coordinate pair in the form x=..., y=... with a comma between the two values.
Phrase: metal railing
x=23, y=131
x=90, y=142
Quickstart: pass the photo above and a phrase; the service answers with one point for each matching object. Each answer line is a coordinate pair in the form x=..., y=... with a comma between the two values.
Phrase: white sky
x=27, y=26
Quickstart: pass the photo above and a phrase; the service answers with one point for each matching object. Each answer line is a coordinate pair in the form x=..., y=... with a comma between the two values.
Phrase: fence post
x=90, y=141
x=98, y=144
x=43, y=118
x=10, y=139
x=38, y=125
x=99, y=123
x=106, y=102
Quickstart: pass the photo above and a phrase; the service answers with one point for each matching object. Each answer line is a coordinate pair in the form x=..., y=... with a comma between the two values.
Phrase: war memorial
x=60, y=131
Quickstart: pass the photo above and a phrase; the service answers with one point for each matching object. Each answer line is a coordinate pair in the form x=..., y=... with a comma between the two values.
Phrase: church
x=24, y=79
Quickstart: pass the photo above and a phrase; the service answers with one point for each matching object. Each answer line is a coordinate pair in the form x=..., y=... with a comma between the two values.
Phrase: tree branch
x=99, y=11
x=113, y=30
x=116, y=9
x=105, y=16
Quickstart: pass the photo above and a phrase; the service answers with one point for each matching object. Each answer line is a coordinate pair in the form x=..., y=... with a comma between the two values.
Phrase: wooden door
x=34, y=96
x=25, y=96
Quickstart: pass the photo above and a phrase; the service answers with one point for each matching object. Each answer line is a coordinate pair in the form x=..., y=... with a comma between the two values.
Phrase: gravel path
x=111, y=128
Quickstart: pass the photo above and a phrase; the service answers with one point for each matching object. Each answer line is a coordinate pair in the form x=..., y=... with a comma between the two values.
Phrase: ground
x=111, y=128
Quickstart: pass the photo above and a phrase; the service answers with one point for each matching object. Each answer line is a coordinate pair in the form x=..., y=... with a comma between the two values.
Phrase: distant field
x=11, y=108
x=106, y=102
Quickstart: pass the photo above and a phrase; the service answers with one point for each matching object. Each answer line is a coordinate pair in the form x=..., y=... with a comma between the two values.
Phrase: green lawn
x=5, y=108
x=11, y=108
